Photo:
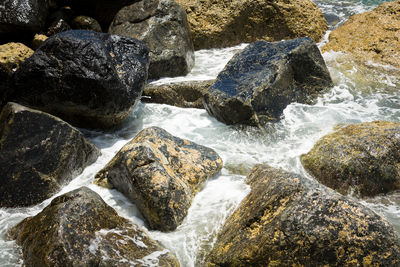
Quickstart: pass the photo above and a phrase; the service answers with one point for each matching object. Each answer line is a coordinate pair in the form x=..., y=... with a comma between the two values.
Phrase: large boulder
x=360, y=158
x=162, y=25
x=288, y=220
x=370, y=36
x=258, y=83
x=223, y=23
x=180, y=94
x=38, y=154
x=80, y=229
x=161, y=174
x=88, y=78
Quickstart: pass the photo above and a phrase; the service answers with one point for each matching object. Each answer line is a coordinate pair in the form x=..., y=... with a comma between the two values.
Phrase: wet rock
x=80, y=229
x=364, y=158
x=23, y=15
x=179, y=94
x=58, y=26
x=162, y=25
x=38, y=40
x=86, y=23
x=221, y=23
x=38, y=150
x=90, y=79
x=161, y=173
x=370, y=36
x=258, y=83
x=288, y=220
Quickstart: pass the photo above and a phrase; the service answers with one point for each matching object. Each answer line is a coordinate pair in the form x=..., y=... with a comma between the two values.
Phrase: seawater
x=359, y=95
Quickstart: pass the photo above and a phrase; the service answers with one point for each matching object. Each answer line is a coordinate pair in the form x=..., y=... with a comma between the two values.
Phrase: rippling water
x=359, y=95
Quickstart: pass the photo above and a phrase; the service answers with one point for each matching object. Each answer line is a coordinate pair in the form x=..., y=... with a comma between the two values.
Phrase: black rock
x=88, y=78
x=58, y=26
x=162, y=25
x=38, y=153
x=258, y=83
x=5, y=85
x=85, y=23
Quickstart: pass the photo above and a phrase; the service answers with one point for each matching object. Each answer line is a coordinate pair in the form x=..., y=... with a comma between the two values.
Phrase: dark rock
x=181, y=94
x=5, y=85
x=86, y=23
x=38, y=153
x=361, y=158
x=80, y=229
x=161, y=174
x=288, y=220
x=58, y=26
x=162, y=25
x=90, y=79
x=258, y=83
x=22, y=15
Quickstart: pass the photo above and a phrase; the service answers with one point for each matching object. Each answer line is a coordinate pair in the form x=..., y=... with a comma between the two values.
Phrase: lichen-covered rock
x=38, y=40
x=88, y=78
x=85, y=23
x=258, y=83
x=38, y=153
x=288, y=220
x=161, y=173
x=162, y=25
x=80, y=229
x=370, y=36
x=223, y=23
x=180, y=94
x=363, y=158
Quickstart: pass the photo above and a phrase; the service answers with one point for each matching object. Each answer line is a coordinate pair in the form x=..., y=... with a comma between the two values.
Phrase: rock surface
x=364, y=158
x=162, y=25
x=223, y=23
x=80, y=229
x=87, y=78
x=161, y=174
x=288, y=220
x=180, y=94
x=58, y=26
x=38, y=40
x=86, y=23
x=370, y=36
x=38, y=150
x=258, y=83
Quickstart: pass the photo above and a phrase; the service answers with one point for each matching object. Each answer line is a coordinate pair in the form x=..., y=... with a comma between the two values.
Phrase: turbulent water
x=359, y=95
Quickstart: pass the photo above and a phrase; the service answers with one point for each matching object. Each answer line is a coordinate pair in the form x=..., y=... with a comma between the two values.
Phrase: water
x=359, y=95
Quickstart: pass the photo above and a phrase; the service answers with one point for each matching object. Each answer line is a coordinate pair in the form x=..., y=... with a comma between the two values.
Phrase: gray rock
x=162, y=25
x=258, y=83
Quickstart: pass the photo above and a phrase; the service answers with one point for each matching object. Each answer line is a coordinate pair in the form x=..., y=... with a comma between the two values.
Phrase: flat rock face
x=80, y=229
x=223, y=23
x=162, y=25
x=370, y=36
x=160, y=173
x=180, y=94
x=38, y=150
x=288, y=220
x=363, y=158
x=258, y=83
x=88, y=78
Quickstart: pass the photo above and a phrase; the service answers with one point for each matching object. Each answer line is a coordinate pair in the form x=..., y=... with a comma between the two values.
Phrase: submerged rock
x=180, y=94
x=38, y=153
x=288, y=220
x=162, y=25
x=80, y=229
x=364, y=158
x=370, y=36
x=221, y=23
x=258, y=83
x=88, y=78
x=161, y=174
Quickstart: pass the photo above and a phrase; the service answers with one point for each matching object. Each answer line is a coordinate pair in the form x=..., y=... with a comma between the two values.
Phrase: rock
x=38, y=40
x=38, y=150
x=90, y=79
x=288, y=220
x=23, y=15
x=80, y=229
x=162, y=25
x=370, y=36
x=58, y=26
x=86, y=23
x=364, y=158
x=258, y=83
x=180, y=94
x=5, y=85
x=161, y=173
x=221, y=23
